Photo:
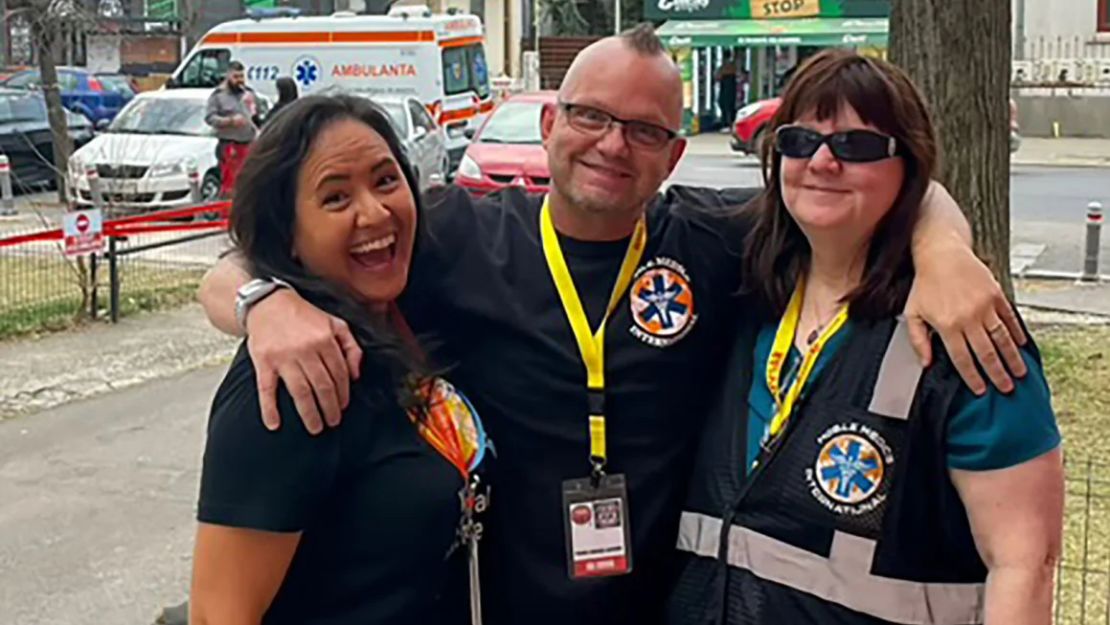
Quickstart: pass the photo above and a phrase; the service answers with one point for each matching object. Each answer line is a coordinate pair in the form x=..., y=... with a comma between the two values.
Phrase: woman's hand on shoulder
x=312, y=352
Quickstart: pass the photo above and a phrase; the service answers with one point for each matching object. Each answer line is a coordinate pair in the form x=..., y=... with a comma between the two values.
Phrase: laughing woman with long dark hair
x=358, y=524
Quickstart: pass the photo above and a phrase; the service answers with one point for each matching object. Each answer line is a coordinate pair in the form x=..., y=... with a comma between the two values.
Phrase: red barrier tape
x=128, y=230
x=125, y=226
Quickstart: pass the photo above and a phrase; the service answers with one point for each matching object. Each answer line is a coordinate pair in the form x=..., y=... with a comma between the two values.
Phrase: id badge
x=595, y=520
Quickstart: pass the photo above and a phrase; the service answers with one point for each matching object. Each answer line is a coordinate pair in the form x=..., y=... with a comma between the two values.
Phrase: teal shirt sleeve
x=997, y=430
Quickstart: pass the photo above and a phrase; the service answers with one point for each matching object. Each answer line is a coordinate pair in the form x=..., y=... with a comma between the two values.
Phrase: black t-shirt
x=483, y=288
x=378, y=507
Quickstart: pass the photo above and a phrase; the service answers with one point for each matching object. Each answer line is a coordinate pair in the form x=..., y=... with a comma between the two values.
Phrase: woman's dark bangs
x=845, y=82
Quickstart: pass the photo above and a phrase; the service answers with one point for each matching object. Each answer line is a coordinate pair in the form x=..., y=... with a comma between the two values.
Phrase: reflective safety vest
x=850, y=517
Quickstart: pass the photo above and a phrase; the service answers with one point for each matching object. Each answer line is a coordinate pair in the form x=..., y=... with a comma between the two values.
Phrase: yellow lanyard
x=590, y=344
x=784, y=337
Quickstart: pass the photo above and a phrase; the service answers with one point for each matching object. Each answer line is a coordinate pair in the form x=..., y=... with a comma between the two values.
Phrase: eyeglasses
x=639, y=134
x=850, y=146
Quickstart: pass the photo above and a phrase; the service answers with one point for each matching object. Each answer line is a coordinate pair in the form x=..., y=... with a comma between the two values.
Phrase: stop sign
x=82, y=223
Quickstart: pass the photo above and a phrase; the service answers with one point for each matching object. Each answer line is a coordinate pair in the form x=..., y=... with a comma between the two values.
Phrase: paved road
x=1048, y=205
x=96, y=505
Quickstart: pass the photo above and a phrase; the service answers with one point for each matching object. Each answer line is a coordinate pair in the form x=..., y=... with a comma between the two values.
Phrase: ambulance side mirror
x=470, y=132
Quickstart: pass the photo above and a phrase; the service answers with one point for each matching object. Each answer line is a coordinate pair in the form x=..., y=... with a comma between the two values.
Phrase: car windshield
x=117, y=84
x=396, y=115
x=514, y=122
x=155, y=116
x=21, y=108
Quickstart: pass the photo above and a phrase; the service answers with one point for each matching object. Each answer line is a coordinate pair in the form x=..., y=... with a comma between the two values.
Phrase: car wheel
x=210, y=187
x=209, y=192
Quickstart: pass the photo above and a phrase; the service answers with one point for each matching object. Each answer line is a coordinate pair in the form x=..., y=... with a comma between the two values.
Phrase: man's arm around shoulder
x=314, y=353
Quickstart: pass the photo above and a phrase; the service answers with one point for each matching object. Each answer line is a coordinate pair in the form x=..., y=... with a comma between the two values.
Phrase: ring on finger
x=996, y=329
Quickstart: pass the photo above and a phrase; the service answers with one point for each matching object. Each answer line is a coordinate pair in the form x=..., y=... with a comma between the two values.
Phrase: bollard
x=1094, y=227
x=194, y=180
x=7, y=200
x=94, y=302
x=94, y=186
x=113, y=280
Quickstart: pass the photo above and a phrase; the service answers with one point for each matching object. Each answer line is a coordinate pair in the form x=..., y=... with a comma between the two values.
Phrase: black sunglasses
x=850, y=146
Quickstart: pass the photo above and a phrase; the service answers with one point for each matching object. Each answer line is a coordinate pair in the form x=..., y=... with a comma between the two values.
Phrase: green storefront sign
x=806, y=31
x=161, y=9
x=762, y=9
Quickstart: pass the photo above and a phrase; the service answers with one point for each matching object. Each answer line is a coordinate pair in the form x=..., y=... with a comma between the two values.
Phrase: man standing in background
x=232, y=110
x=726, y=96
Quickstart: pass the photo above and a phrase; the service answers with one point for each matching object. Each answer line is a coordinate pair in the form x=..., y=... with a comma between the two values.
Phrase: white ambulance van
x=439, y=59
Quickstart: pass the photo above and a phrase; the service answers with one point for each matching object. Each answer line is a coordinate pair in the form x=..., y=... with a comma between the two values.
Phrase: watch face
x=254, y=288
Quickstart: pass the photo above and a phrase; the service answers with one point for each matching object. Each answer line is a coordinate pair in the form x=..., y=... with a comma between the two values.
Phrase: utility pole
x=617, y=17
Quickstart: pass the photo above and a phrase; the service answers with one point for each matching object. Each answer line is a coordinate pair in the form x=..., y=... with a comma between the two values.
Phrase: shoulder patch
x=662, y=302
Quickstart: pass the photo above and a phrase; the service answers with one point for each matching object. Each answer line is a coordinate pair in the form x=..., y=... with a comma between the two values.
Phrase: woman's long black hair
x=263, y=218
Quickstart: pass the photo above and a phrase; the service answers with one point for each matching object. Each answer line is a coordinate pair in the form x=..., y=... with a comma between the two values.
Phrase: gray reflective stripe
x=843, y=578
x=899, y=374
x=699, y=534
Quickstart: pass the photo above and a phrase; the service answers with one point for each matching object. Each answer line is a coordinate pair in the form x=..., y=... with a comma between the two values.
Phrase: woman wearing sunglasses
x=838, y=481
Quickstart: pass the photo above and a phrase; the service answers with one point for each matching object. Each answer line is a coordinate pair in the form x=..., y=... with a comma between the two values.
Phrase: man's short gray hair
x=642, y=39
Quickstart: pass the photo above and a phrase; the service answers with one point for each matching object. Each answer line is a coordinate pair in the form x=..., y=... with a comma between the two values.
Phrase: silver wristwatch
x=253, y=292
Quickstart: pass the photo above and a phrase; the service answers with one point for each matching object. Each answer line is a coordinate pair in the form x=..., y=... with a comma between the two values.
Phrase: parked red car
x=507, y=149
x=752, y=124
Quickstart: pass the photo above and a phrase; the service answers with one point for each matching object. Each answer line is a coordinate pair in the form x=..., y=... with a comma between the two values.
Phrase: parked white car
x=424, y=140
x=143, y=157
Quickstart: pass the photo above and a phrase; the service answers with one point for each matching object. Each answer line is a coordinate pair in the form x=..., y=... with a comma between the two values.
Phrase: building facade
x=1061, y=29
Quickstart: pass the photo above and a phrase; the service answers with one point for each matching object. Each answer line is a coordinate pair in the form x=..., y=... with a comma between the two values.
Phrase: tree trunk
x=958, y=52
x=45, y=35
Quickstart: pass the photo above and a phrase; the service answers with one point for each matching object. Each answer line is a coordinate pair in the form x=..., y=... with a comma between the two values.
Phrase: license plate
x=123, y=188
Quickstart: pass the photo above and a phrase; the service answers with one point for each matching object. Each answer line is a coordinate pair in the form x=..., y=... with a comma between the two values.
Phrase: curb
x=1081, y=163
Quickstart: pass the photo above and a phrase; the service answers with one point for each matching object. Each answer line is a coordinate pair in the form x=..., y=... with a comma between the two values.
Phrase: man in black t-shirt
x=484, y=285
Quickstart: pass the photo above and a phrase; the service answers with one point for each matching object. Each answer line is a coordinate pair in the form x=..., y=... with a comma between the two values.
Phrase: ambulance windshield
x=464, y=69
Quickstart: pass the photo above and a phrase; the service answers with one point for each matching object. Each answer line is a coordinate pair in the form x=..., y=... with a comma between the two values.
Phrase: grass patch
x=42, y=293
x=1077, y=364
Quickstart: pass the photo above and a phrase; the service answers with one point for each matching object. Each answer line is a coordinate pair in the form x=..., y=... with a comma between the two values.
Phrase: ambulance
x=439, y=59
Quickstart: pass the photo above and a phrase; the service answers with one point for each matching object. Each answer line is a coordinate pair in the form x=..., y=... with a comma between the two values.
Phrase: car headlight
x=76, y=167
x=748, y=111
x=161, y=170
x=468, y=168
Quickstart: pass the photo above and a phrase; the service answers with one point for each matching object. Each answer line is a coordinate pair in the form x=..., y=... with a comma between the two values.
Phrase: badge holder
x=595, y=520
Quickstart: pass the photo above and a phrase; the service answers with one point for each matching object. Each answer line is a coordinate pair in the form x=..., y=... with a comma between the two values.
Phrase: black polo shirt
x=483, y=288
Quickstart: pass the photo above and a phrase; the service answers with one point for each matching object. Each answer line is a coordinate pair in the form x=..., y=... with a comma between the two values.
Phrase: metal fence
x=150, y=261
x=1074, y=47
x=1083, y=576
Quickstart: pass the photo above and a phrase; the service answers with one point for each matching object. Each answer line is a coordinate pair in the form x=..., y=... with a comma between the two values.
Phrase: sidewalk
x=1034, y=151
x=1044, y=297
x=36, y=374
